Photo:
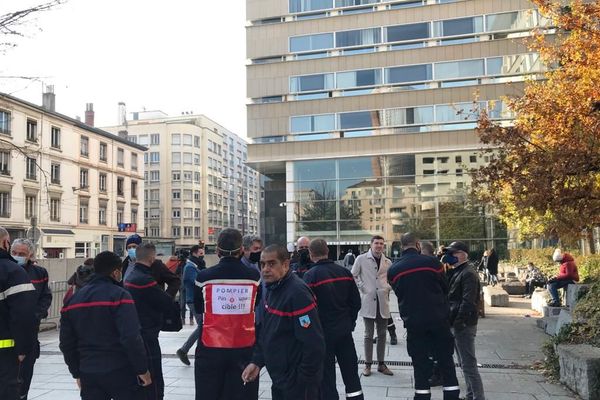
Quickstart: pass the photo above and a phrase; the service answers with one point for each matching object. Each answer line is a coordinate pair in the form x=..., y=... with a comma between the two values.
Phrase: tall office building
x=197, y=182
x=362, y=113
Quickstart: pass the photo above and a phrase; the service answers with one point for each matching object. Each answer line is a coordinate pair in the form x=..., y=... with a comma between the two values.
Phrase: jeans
x=554, y=286
x=465, y=346
x=195, y=335
x=370, y=324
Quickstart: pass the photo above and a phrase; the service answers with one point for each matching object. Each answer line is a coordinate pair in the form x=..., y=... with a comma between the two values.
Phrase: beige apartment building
x=362, y=113
x=197, y=182
x=81, y=186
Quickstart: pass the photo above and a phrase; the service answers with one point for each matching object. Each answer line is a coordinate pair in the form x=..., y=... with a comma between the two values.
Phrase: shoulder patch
x=304, y=321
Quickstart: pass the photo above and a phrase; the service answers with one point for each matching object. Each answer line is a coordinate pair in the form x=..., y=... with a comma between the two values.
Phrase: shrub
x=587, y=266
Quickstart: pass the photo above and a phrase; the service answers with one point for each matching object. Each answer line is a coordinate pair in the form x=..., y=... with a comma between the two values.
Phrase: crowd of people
x=289, y=310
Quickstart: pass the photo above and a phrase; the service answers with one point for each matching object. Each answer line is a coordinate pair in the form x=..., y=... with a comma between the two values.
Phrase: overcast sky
x=174, y=56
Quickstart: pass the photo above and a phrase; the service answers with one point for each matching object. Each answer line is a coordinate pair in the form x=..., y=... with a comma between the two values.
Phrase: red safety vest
x=229, y=313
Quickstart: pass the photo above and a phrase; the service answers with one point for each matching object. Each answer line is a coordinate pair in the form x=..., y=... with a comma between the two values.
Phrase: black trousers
x=9, y=374
x=299, y=392
x=26, y=373
x=530, y=286
x=120, y=384
x=438, y=341
x=218, y=374
x=342, y=348
x=155, y=391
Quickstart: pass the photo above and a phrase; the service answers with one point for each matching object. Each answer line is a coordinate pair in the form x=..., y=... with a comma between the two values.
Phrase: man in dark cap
x=464, y=299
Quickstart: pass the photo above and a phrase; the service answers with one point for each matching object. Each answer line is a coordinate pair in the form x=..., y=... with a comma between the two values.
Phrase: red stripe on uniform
x=97, y=304
x=140, y=286
x=290, y=314
x=34, y=281
x=431, y=269
x=323, y=282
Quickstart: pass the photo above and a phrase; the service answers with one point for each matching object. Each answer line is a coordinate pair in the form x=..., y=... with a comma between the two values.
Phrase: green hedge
x=588, y=266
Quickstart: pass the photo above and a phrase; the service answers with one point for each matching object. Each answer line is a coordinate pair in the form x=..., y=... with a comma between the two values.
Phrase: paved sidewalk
x=507, y=343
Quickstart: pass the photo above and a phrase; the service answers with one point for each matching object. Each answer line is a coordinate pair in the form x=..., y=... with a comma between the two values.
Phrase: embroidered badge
x=304, y=321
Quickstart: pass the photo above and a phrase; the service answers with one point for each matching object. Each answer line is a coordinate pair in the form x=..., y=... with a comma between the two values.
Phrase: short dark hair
x=279, y=250
x=229, y=242
x=106, y=262
x=409, y=239
x=427, y=248
x=89, y=262
x=195, y=249
x=143, y=251
x=318, y=247
x=377, y=237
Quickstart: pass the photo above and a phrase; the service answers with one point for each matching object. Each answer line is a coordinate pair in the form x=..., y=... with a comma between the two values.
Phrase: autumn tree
x=544, y=174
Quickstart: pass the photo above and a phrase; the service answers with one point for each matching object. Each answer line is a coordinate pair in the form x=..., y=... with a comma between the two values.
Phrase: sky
x=175, y=56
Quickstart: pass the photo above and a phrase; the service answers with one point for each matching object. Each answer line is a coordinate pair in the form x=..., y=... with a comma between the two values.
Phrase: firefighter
x=290, y=341
x=421, y=287
x=227, y=295
x=338, y=302
x=17, y=319
x=22, y=251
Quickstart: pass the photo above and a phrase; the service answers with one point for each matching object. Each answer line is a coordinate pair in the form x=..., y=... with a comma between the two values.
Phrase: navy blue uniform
x=17, y=322
x=39, y=279
x=421, y=287
x=101, y=342
x=290, y=340
x=151, y=303
x=338, y=302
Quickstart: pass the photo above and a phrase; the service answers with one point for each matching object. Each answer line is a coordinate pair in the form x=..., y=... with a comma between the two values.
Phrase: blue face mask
x=449, y=259
x=131, y=253
x=20, y=260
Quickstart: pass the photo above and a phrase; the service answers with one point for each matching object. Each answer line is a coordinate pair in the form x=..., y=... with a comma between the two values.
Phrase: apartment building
x=197, y=181
x=361, y=113
x=80, y=186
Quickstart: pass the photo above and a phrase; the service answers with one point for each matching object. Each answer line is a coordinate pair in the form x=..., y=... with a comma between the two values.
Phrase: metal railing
x=59, y=289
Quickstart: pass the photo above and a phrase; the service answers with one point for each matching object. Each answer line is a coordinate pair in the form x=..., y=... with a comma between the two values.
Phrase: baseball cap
x=457, y=246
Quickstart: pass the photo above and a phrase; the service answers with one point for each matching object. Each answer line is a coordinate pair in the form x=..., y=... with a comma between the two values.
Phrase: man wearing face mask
x=464, y=299
x=252, y=246
x=22, y=251
x=152, y=304
x=161, y=273
x=195, y=263
x=304, y=263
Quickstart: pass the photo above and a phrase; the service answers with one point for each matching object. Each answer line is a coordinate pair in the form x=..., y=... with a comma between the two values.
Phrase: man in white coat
x=370, y=273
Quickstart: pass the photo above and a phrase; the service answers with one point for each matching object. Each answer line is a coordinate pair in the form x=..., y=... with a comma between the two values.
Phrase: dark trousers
x=218, y=374
x=391, y=327
x=438, y=341
x=26, y=373
x=155, y=391
x=118, y=385
x=9, y=374
x=299, y=392
x=530, y=286
x=342, y=348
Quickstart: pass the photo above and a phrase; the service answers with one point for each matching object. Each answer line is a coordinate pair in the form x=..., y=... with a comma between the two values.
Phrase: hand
x=250, y=373
x=145, y=379
x=21, y=357
x=78, y=381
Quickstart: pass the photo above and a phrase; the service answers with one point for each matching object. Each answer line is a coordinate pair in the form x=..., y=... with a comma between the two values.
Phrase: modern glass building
x=362, y=113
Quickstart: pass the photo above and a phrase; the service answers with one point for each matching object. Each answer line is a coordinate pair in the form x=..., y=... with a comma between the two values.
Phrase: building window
x=55, y=209
x=155, y=139
x=55, y=137
x=459, y=172
x=188, y=213
x=176, y=194
x=134, y=213
x=154, y=157
x=197, y=177
x=196, y=159
x=155, y=195
x=103, y=151
x=176, y=139
x=83, y=211
x=176, y=176
x=154, y=232
x=143, y=140
x=31, y=168
x=311, y=42
x=30, y=206
x=31, y=130
x=458, y=159
x=187, y=158
x=188, y=231
x=196, y=195
x=154, y=176
x=196, y=232
x=134, y=190
x=120, y=213
x=120, y=157
x=132, y=139
x=187, y=140
x=5, y=163
x=176, y=212
x=176, y=231
x=102, y=214
x=134, y=161
x=83, y=249
x=55, y=173
x=84, y=146
x=5, y=204
x=187, y=176
x=102, y=182
x=120, y=186
x=196, y=213
x=359, y=37
x=472, y=159
x=83, y=178
x=176, y=158
x=4, y=122
x=196, y=141
x=187, y=195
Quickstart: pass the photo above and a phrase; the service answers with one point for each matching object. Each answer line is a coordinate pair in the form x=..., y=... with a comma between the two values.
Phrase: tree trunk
x=591, y=241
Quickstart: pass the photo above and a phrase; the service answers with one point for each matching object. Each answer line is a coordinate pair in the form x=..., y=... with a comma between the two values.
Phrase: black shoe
x=374, y=340
x=393, y=340
x=554, y=304
x=183, y=357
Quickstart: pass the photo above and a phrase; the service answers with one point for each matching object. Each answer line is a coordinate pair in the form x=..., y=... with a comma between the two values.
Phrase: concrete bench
x=514, y=288
x=539, y=299
x=495, y=297
x=574, y=293
x=580, y=369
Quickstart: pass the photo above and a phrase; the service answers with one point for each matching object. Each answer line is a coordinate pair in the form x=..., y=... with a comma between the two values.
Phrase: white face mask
x=20, y=260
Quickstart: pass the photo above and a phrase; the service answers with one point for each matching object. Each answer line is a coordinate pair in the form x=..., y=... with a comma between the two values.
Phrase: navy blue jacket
x=421, y=287
x=151, y=301
x=39, y=278
x=17, y=305
x=100, y=331
x=338, y=299
x=192, y=266
x=290, y=340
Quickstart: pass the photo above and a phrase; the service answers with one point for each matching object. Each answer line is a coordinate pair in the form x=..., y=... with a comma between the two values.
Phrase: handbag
x=172, y=319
